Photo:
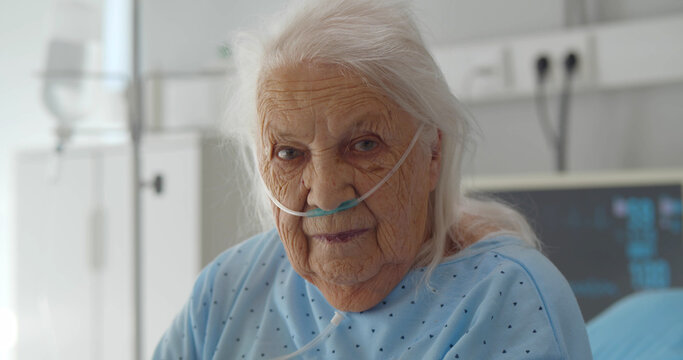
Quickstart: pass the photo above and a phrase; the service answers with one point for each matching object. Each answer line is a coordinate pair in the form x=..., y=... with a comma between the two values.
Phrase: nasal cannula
x=334, y=322
x=348, y=204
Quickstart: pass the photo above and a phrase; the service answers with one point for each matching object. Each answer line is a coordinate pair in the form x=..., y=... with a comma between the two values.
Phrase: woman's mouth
x=340, y=237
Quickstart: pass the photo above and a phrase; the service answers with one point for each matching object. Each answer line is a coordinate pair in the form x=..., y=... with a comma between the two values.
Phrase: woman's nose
x=329, y=182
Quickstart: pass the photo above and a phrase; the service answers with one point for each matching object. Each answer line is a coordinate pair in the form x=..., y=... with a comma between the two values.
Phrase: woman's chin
x=351, y=298
x=347, y=272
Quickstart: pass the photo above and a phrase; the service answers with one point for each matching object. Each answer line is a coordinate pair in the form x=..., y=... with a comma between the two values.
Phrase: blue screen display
x=608, y=241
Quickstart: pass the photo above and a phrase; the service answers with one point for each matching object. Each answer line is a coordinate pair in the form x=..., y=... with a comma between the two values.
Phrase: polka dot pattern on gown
x=491, y=302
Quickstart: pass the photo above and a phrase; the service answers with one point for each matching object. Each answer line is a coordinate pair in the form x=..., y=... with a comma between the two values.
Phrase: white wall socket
x=556, y=47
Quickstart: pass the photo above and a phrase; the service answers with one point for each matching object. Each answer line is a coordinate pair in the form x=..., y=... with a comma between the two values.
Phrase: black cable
x=541, y=100
x=557, y=140
x=571, y=63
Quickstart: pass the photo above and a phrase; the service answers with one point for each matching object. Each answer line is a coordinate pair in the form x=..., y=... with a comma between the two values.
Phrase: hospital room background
x=579, y=106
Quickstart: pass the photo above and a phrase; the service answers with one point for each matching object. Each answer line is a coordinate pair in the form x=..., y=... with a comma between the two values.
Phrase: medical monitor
x=609, y=234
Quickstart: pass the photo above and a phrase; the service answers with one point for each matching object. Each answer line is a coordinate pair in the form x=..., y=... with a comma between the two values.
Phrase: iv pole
x=135, y=125
x=134, y=94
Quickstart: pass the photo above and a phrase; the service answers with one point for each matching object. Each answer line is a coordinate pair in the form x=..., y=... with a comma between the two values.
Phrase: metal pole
x=135, y=124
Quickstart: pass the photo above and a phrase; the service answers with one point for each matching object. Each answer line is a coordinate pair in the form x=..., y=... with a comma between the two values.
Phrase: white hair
x=378, y=40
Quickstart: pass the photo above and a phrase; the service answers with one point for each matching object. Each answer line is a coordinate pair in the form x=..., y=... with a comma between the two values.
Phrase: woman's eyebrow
x=288, y=135
x=371, y=119
x=272, y=127
x=365, y=119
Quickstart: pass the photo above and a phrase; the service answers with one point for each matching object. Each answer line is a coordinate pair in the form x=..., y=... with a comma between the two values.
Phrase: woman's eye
x=288, y=154
x=365, y=145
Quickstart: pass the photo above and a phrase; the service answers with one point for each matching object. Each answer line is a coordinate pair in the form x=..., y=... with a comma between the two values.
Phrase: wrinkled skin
x=326, y=137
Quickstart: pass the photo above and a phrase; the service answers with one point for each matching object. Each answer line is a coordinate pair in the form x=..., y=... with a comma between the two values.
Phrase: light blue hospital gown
x=497, y=299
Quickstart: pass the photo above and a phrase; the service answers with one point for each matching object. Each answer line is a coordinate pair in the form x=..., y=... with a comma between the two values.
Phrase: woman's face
x=325, y=138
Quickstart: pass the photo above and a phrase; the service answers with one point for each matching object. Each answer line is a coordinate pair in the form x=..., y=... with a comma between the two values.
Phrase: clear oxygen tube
x=348, y=204
x=334, y=322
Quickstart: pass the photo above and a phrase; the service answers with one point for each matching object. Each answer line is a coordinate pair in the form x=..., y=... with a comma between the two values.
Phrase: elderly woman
x=357, y=144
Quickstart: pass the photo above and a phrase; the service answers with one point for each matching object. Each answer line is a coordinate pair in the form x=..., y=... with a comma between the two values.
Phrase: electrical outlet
x=556, y=47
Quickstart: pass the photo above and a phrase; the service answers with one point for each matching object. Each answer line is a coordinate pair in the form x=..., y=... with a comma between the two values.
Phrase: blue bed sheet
x=646, y=325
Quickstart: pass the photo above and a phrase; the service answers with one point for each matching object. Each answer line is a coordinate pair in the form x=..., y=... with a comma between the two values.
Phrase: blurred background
x=567, y=95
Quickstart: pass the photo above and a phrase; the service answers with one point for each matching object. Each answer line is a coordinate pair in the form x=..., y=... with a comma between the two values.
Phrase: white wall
x=182, y=35
x=615, y=10
x=449, y=21
x=624, y=129
x=631, y=128
x=22, y=120
x=173, y=39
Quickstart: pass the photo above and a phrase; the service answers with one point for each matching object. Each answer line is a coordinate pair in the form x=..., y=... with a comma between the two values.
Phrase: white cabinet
x=57, y=284
x=74, y=241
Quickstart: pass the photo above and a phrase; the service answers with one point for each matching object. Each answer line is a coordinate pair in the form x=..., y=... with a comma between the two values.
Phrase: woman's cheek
x=400, y=215
x=284, y=186
x=293, y=239
x=389, y=238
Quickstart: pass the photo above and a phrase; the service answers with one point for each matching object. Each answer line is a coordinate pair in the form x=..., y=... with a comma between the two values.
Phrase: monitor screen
x=609, y=240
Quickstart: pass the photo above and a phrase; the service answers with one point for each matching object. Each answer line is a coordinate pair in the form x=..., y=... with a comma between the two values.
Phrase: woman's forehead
x=316, y=88
x=290, y=98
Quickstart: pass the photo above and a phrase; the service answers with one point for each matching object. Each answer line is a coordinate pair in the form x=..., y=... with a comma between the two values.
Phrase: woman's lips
x=340, y=237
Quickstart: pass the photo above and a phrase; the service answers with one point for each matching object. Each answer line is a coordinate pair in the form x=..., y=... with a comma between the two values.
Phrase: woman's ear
x=435, y=164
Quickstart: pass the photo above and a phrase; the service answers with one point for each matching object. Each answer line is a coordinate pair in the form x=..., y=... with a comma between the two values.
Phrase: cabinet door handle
x=157, y=184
